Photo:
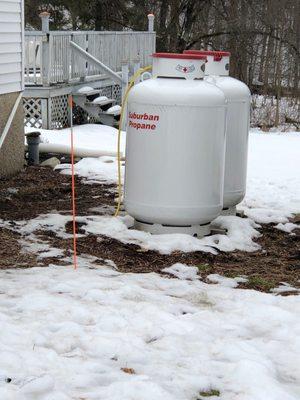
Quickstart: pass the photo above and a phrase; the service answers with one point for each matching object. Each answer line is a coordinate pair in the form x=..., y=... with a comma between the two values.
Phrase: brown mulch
x=40, y=190
x=10, y=251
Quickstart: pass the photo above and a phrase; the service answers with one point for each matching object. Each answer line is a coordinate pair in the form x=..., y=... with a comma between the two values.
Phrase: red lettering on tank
x=133, y=117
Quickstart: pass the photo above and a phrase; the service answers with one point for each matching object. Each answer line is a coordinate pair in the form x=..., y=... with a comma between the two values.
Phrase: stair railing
x=83, y=53
x=116, y=78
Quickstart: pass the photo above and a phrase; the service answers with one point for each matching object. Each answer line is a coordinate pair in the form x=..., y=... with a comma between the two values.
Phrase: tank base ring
x=229, y=211
x=159, y=229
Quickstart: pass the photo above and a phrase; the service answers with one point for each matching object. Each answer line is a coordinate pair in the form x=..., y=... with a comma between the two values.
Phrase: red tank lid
x=185, y=56
x=218, y=55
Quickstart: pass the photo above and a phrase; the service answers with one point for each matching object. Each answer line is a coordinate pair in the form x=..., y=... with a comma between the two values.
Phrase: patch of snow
x=67, y=335
x=266, y=216
x=90, y=136
x=289, y=227
x=273, y=186
x=114, y=109
x=284, y=287
x=182, y=271
x=38, y=386
x=240, y=233
x=51, y=252
x=100, y=99
x=85, y=89
x=52, y=222
x=34, y=245
x=222, y=280
x=95, y=170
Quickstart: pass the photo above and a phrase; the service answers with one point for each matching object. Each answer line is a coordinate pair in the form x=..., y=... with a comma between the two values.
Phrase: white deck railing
x=32, y=54
x=50, y=60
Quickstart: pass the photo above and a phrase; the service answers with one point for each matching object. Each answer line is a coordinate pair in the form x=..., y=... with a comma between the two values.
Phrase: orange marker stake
x=73, y=184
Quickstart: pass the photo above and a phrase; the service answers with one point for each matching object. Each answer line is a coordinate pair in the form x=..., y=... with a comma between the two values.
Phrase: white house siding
x=11, y=39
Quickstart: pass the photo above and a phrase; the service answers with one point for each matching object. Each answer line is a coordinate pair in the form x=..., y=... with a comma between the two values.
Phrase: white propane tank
x=175, y=148
x=238, y=120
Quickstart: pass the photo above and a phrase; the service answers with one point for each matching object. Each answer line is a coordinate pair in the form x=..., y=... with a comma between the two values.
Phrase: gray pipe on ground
x=33, y=140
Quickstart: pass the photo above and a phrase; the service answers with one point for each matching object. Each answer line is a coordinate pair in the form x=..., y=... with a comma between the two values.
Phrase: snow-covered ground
x=89, y=136
x=69, y=335
x=273, y=186
x=97, y=334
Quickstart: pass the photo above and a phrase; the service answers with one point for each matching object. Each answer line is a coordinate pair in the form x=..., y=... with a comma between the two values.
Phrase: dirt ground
x=39, y=190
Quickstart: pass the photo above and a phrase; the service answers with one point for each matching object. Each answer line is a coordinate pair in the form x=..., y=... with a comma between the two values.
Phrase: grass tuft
x=210, y=393
x=257, y=282
x=203, y=267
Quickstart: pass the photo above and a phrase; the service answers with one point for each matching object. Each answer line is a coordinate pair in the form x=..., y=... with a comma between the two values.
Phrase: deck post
x=136, y=67
x=45, y=49
x=45, y=16
x=45, y=67
x=150, y=22
x=125, y=75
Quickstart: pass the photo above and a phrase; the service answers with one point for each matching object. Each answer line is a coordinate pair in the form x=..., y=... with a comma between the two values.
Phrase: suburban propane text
x=143, y=121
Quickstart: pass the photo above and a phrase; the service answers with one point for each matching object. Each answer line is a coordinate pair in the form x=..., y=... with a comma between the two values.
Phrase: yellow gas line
x=123, y=107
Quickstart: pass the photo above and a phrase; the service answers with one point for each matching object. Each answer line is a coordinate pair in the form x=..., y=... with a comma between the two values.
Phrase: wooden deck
x=53, y=69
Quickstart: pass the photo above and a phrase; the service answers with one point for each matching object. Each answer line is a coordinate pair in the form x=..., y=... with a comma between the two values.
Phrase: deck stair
x=97, y=106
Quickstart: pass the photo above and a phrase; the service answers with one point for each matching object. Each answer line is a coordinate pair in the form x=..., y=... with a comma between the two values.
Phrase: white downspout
x=10, y=120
